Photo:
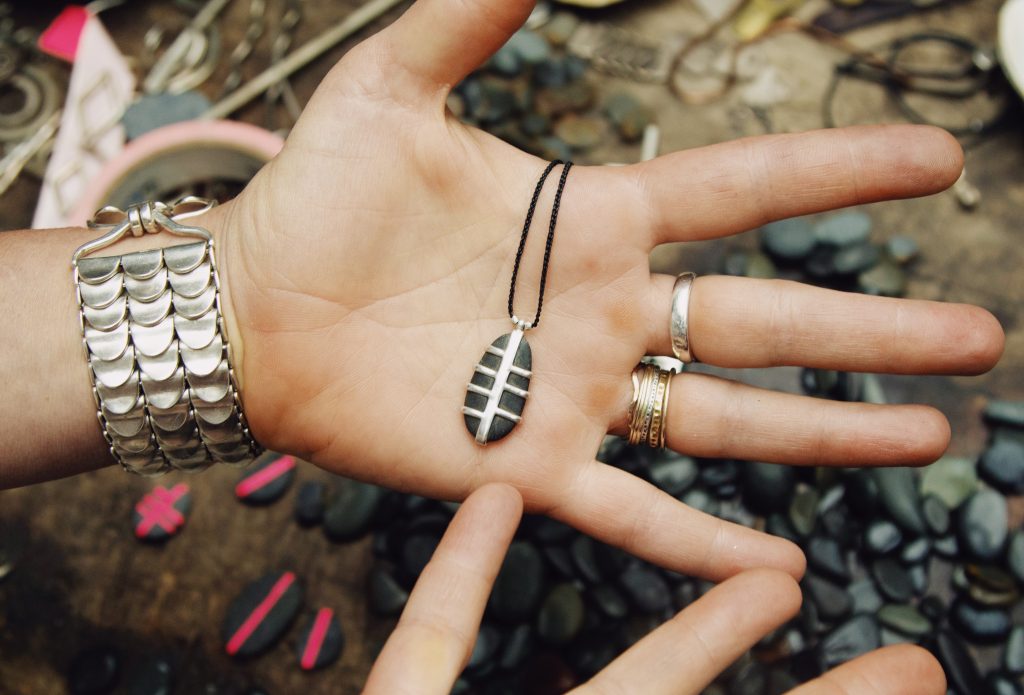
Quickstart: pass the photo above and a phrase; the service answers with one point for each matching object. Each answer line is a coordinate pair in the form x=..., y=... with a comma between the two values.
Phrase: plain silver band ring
x=680, y=328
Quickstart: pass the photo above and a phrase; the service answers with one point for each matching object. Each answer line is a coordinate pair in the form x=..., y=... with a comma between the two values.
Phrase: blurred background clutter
x=116, y=584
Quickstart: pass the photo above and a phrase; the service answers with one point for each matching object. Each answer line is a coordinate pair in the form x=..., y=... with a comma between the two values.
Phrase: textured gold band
x=157, y=349
x=648, y=409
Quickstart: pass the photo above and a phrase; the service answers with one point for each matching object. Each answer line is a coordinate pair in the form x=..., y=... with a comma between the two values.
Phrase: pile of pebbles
x=536, y=96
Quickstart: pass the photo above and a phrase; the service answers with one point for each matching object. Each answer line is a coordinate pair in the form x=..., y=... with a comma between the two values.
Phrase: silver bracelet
x=156, y=344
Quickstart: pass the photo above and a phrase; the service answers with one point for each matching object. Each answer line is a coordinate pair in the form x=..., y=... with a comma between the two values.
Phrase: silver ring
x=680, y=328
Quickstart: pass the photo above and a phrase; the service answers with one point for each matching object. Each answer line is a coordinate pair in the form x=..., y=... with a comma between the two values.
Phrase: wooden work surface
x=83, y=579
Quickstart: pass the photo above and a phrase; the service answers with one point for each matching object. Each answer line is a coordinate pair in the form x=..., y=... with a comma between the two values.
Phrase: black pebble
x=767, y=487
x=352, y=512
x=310, y=503
x=674, y=475
x=826, y=557
x=892, y=580
x=162, y=512
x=936, y=515
x=832, y=601
x=857, y=636
x=983, y=525
x=1002, y=466
x=1002, y=684
x=882, y=537
x=261, y=613
x=646, y=589
x=386, y=597
x=151, y=676
x=94, y=671
x=320, y=640
x=980, y=624
x=1013, y=653
x=519, y=585
x=961, y=671
x=266, y=479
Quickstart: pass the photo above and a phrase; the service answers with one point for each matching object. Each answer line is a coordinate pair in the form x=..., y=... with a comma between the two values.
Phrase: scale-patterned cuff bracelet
x=158, y=352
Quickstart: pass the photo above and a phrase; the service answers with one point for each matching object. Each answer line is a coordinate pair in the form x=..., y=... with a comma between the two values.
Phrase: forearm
x=48, y=425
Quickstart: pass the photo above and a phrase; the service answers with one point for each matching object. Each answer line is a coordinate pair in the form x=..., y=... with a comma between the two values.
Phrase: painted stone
x=261, y=613
x=496, y=396
x=161, y=513
x=267, y=479
x=320, y=641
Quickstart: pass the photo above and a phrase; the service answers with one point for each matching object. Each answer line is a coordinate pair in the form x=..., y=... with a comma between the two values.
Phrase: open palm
x=367, y=269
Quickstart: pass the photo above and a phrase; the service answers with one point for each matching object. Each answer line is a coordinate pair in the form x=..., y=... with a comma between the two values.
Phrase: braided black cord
x=550, y=239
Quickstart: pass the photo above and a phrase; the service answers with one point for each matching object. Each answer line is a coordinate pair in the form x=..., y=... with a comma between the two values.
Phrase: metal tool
x=18, y=158
x=192, y=56
x=302, y=57
x=241, y=52
x=282, y=92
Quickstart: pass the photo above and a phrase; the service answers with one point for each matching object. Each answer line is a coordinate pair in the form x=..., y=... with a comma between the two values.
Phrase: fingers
x=437, y=630
x=743, y=322
x=898, y=670
x=685, y=654
x=623, y=510
x=729, y=188
x=439, y=42
x=711, y=417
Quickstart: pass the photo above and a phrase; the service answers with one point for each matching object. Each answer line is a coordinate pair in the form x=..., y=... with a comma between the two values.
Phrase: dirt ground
x=83, y=579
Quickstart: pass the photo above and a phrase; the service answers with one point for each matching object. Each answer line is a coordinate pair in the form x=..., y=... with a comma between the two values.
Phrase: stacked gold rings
x=648, y=411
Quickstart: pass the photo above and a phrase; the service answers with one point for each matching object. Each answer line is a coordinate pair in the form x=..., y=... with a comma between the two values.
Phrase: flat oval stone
x=1013, y=654
x=897, y=489
x=832, y=601
x=261, y=613
x=952, y=479
x=310, y=503
x=788, y=240
x=646, y=589
x=561, y=616
x=844, y=228
x=496, y=396
x=320, y=641
x=1009, y=413
x=518, y=645
x=825, y=556
x=916, y=551
x=980, y=624
x=385, y=596
x=1002, y=684
x=803, y=510
x=162, y=512
x=1015, y=556
x=609, y=601
x=902, y=249
x=906, y=620
x=674, y=475
x=856, y=258
x=892, y=579
x=266, y=479
x=1002, y=466
x=882, y=537
x=983, y=525
x=152, y=676
x=866, y=598
x=519, y=585
x=767, y=487
x=857, y=636
x=94, y=671
x=936, y=515
x=961, y=671
x=350, y=514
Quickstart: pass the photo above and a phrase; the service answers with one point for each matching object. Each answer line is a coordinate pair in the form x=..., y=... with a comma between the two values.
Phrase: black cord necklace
x=496, y=396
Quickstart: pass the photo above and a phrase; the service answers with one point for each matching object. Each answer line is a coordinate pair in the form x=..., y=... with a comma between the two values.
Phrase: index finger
x=437, y=630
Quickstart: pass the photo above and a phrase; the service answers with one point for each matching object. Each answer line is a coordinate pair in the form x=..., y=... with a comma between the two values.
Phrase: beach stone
x=1013, y=653
x=1007, y=413
x=675, y=475
x=351, y=513
x=574, y=97
x=983, y=525
x=856, y=637
x=152, y=675
x=645, y=589
x=259, y=615
x=844, y=228
x=519, y=585
x=94, y=671
x=560, y=560
x=916, y=551
x=735, y=264
x=991, y=586
x=701, y=501
x=385, y=596
x=946, y=546
x=902, y=249
x=899, y=495
x=856, y=258
x=559, y=29
x=882, y=537
x=506, y=61
x=609, y=601
x=518, y=645
x=561, y=615
x=416, y=552
x=826, y=556
x=820, y=265
x=530, y=46
x=1015, y=556
x=320, y=641
x=906, y=620
x=803, y=510
x=961, y=671
x=980, y=624
x=918, y=577
x=767, y=487
x=488, y=641
x=865, y=596
x=892, y=579
x=760, y=266
x=267, y=479
x=778, y=525
x=161, y=513
x=788, y=240
x=1002, y=466
x=585, y=560
x=832, y=601
x=581, y=132
x=310, y=503
x=936, y=515
x=1002, y=684
x=885, y=280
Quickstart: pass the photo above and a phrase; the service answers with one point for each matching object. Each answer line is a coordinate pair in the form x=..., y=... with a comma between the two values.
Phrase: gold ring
x=648, y=409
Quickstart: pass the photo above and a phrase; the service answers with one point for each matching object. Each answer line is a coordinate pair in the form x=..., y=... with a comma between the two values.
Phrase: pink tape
x=60, y=39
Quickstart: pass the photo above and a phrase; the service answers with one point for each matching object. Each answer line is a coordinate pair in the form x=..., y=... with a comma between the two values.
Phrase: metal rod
x=301, y=57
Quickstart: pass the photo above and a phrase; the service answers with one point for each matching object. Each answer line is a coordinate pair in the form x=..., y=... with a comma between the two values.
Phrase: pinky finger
x=437, y=630
x=898, y=670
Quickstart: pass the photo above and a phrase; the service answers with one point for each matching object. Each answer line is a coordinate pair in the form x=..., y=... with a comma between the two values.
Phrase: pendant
x=496, y=396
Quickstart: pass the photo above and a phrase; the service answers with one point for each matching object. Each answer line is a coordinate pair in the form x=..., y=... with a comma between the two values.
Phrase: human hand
x=436, y=633
x=366, y=270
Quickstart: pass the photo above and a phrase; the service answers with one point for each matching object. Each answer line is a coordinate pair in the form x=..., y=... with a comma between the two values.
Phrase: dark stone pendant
x=496, y=396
